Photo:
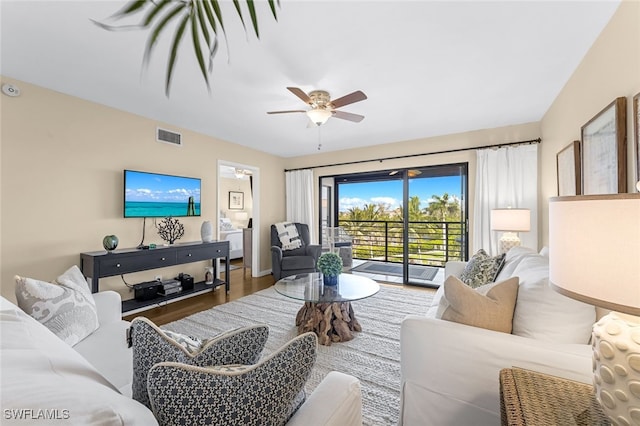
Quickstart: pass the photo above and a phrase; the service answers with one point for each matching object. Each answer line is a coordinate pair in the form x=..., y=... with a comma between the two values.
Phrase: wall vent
x=168, y=136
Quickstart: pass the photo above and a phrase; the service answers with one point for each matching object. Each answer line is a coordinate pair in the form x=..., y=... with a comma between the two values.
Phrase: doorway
x=238, y=189
x=403, y=222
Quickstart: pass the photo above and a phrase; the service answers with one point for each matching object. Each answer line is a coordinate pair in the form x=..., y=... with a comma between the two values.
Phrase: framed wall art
x=236, y=200
x=636, y=133
x=569, y=177
x=604, y=150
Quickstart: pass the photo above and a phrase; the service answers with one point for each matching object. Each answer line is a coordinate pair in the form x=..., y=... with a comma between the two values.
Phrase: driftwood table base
x=332, y=322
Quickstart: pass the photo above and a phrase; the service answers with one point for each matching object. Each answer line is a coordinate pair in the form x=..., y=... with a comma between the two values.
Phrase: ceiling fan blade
x=351, y=98
x=299, y=93
x=348, y=116
x=286, y=112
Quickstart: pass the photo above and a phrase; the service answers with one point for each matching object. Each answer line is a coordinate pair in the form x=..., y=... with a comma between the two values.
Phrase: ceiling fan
x=323, y=108
x=411, y=173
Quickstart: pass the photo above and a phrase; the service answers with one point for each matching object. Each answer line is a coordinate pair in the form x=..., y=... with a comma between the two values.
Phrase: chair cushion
x=297, y=262
x=66, y=306
x=151, y=345
x=490, y=306
x=267, y=393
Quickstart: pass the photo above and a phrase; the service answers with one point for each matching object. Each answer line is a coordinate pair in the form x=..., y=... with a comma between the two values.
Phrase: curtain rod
x=498, y=145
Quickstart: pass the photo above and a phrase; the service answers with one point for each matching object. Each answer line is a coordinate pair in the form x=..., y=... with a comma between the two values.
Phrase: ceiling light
x=319, y=116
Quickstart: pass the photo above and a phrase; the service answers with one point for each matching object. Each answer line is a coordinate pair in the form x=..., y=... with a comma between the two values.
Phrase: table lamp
x=511, y=221
x=594, y=257
x=241, y=216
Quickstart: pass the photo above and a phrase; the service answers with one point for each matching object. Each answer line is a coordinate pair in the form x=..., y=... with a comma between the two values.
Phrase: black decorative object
x=110, y=242
x=170, y=229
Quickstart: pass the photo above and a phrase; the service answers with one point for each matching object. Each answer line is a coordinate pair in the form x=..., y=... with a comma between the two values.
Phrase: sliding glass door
x=403, y=222
x=435, y=218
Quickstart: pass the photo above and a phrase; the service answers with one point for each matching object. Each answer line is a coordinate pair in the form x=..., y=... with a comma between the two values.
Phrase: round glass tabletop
x=310, y=288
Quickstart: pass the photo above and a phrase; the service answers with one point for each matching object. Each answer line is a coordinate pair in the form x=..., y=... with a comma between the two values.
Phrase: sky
x=390, y=192
x=141, y=186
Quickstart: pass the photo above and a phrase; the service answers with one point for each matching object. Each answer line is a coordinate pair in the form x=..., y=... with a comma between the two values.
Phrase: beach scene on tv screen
x=155, y=195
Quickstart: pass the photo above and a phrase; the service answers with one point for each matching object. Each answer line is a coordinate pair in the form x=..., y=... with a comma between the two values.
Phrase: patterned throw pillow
x=267, y=393
x=152, y=345
x=66, y=306
x=482, y=269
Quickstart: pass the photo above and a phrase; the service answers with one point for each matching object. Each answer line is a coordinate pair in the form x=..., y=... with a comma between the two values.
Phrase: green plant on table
x=330, y=264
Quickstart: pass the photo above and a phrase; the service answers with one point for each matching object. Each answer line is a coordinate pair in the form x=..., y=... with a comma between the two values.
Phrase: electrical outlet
x=158, y=278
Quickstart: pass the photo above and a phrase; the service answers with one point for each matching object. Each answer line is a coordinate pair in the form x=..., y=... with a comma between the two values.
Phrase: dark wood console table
x=100, y=264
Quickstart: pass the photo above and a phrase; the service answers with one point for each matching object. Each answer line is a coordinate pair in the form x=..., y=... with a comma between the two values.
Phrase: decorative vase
x=206, y=232
x=330, y=280
x=208, y=275
x=110, y=242
x=616, y=367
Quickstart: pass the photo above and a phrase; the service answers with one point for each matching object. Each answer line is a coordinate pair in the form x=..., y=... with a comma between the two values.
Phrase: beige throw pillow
x=490, y=306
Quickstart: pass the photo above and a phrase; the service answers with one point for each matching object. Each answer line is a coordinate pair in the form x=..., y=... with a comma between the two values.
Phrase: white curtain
x=299, y=198
x=505, y=177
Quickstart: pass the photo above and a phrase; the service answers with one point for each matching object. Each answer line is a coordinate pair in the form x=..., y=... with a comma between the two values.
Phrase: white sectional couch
x=43, y=376
x=44, y=380
x=450, y=371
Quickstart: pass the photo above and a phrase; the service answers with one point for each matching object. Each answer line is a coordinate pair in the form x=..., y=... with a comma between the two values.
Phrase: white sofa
x=44, y=378
x=450, y=371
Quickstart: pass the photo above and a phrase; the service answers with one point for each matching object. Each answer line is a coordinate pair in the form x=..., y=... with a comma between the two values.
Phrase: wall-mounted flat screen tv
x=158, y=195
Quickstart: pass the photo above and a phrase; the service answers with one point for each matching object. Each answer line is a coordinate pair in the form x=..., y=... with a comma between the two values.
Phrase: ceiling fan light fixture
x=319, y=116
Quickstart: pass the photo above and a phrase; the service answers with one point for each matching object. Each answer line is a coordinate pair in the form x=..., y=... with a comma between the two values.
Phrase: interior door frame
x=255, y=246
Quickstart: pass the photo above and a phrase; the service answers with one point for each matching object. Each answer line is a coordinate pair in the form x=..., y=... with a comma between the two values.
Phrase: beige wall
x=62, y=162
x=609, y=70
x=436, y=144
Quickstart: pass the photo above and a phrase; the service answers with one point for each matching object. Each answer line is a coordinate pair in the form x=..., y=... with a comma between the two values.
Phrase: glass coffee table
x=327, y=310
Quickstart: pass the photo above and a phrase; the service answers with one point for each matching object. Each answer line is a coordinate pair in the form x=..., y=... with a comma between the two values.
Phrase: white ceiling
x=428, y=68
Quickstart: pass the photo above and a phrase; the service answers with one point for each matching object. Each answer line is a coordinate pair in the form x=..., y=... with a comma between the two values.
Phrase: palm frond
x=205, y=18
x=174, y=50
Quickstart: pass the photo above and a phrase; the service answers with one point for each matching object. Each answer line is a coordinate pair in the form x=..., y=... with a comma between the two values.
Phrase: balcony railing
x=430, y=243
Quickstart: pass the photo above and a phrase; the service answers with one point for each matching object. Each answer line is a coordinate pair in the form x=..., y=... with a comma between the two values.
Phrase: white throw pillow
x=512, y=259
x=66, y=306
x=544, y=314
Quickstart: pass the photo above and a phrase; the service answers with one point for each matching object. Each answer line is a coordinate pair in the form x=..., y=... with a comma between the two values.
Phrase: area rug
x=418, y=272
x=373, y=355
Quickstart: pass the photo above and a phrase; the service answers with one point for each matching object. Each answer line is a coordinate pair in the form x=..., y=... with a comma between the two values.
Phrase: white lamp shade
x=511, y=220
x=319, y=116
x=594, y=249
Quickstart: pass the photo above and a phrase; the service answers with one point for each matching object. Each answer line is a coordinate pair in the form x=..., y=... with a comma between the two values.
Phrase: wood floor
x=241, y=285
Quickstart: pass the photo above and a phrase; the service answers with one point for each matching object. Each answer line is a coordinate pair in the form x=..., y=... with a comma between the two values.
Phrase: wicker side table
x=531, y=398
